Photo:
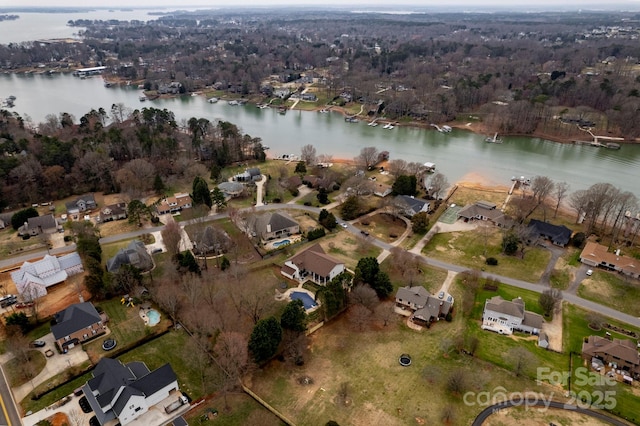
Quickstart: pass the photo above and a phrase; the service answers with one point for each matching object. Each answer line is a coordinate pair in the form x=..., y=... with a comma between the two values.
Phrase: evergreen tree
x=294, y=317
x=218, y=199
x=200, y=192
x=265, y=338
x=158, y=184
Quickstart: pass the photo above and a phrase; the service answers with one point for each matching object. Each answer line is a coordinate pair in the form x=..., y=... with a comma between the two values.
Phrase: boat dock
x=443, y=129
x=493, y=139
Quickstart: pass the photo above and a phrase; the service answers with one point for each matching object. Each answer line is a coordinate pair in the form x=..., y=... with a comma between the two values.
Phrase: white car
x=589, y=272
x=344, y=225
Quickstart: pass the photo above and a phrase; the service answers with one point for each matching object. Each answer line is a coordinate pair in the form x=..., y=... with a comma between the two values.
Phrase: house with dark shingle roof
x=121, y=393
x=426, y=308
x=505, y=317
x=557, y=234
x=270, y=226
x=135, y=254
x=410, y=205
x=111, y=212
x=76, y=324
x=484, y=210
x=314, y=265
x=46, y=224
x=621, y=352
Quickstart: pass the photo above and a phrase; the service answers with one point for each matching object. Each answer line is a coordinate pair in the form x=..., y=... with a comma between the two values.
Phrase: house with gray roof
x=249, y=175
x=426, y=308
x=46, y=224
x=81, y=204
x=75, y=325
x=505, y=317
x=409, y=205
x=273, y=225
x=121, y=393
x=135, y=254
x=111, y=212
x=557, y=234
x=487, y=211
x=33, y=278
x=231, y=189
x=314, y=265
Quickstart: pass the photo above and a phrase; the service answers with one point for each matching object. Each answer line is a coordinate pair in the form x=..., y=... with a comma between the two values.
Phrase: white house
x=505, y=317
x=33, y=278
x=127, y=392
x=312, y=264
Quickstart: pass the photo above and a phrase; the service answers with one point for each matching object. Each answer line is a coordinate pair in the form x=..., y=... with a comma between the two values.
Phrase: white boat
x=142, y=98
x=263, y=106
x=372, y=124
x=388, y=126
x=446, y=128
x=323, y=111
x=233, y=103
x=212, y=100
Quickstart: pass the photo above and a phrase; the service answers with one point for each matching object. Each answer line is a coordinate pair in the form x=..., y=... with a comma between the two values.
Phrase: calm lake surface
x=460, y=155
x=38, y=26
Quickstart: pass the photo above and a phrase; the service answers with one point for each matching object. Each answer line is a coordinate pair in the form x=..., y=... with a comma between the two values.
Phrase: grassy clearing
x=383, y=226
x=16, y=369
x=560, y=279
x=378, y=389
x=244, y=411
x=470, y=249
x=609, y=289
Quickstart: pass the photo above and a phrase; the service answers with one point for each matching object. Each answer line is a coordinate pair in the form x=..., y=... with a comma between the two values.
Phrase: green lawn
x=610, y=289
x=33, y=405
x=16, y=374
x=172, y=348
x=469, y=249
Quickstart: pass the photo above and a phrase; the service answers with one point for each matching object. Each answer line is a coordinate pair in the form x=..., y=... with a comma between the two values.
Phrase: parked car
x=38, y=344
x=441, y=295
x=589, y=272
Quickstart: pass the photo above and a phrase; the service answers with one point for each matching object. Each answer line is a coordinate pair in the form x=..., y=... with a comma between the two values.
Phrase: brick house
x=76, y=324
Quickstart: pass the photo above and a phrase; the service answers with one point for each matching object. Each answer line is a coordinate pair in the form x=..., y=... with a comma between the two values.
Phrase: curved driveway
x=482, y=417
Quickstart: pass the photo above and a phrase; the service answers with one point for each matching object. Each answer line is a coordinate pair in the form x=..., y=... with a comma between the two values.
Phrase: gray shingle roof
x=498, y=304
x=277, y=222
x=413, y=203
x=74, y=318
x=416, y=296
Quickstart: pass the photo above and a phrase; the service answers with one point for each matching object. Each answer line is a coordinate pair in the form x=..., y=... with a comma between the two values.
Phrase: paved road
x=567, y=295
x=8, y=411
x=482, y=417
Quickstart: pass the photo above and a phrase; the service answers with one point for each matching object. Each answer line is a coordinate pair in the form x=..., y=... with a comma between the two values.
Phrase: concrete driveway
x=56, y=364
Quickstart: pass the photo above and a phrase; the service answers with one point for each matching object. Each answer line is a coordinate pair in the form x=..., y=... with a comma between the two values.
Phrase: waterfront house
x=33, y=278
x=382, y=190
x=597, y=255
x=621, y=354
x=174, y=204
x=309, y=97
x=505, y=317
x=314, y=265
x=81, y=204
x=120, y=393
x=46, y=224
x=409, y=205
x=484, y=210
x=426, y=308
x=270, y=226
x=557, y=234
x=76, y=324
x=135, y=254
x=113, y=212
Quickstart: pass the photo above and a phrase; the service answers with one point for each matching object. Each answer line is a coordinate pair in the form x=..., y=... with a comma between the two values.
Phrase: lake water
x=459, y=154
x=37, y=26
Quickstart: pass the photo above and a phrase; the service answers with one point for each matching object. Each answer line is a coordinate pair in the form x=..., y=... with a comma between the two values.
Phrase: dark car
x=38, y=344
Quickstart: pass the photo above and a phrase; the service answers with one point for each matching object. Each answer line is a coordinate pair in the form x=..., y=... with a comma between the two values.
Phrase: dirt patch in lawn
x=383, y=226
x=535, y=417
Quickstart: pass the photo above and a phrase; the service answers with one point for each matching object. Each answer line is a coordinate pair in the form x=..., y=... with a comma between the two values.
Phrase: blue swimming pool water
x=307, y=300
x=154, y=317
x=281, y=243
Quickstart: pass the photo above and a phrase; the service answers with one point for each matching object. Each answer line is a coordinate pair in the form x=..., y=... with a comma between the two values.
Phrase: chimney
x=268, y=227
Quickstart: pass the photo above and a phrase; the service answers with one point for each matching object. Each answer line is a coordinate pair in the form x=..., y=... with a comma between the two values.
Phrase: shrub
x=314, y=234
x=307, y=203
x=492, y=261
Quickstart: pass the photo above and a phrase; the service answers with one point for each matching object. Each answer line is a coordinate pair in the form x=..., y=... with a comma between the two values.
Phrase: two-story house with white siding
x=505, y=317
x=121, y=393
x=312, y=264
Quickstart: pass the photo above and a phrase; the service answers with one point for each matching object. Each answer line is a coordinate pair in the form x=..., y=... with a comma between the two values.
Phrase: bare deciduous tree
x=560, y=192
x=368, y=157
x=171, y=237
x=232, y=357
x=397, y=167
x=384, y=312
x=521, y=360
x=437, y=184
x=308, y=154
x=364, y=295
x=359, y=315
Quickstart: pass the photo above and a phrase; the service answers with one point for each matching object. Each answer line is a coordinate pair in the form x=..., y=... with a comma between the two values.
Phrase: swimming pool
x=281, y=243
x=307, y=300
x=154, y=317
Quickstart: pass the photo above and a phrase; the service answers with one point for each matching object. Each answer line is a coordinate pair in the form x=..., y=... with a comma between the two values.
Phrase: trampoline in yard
x=405, y=360
x=307, y=300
